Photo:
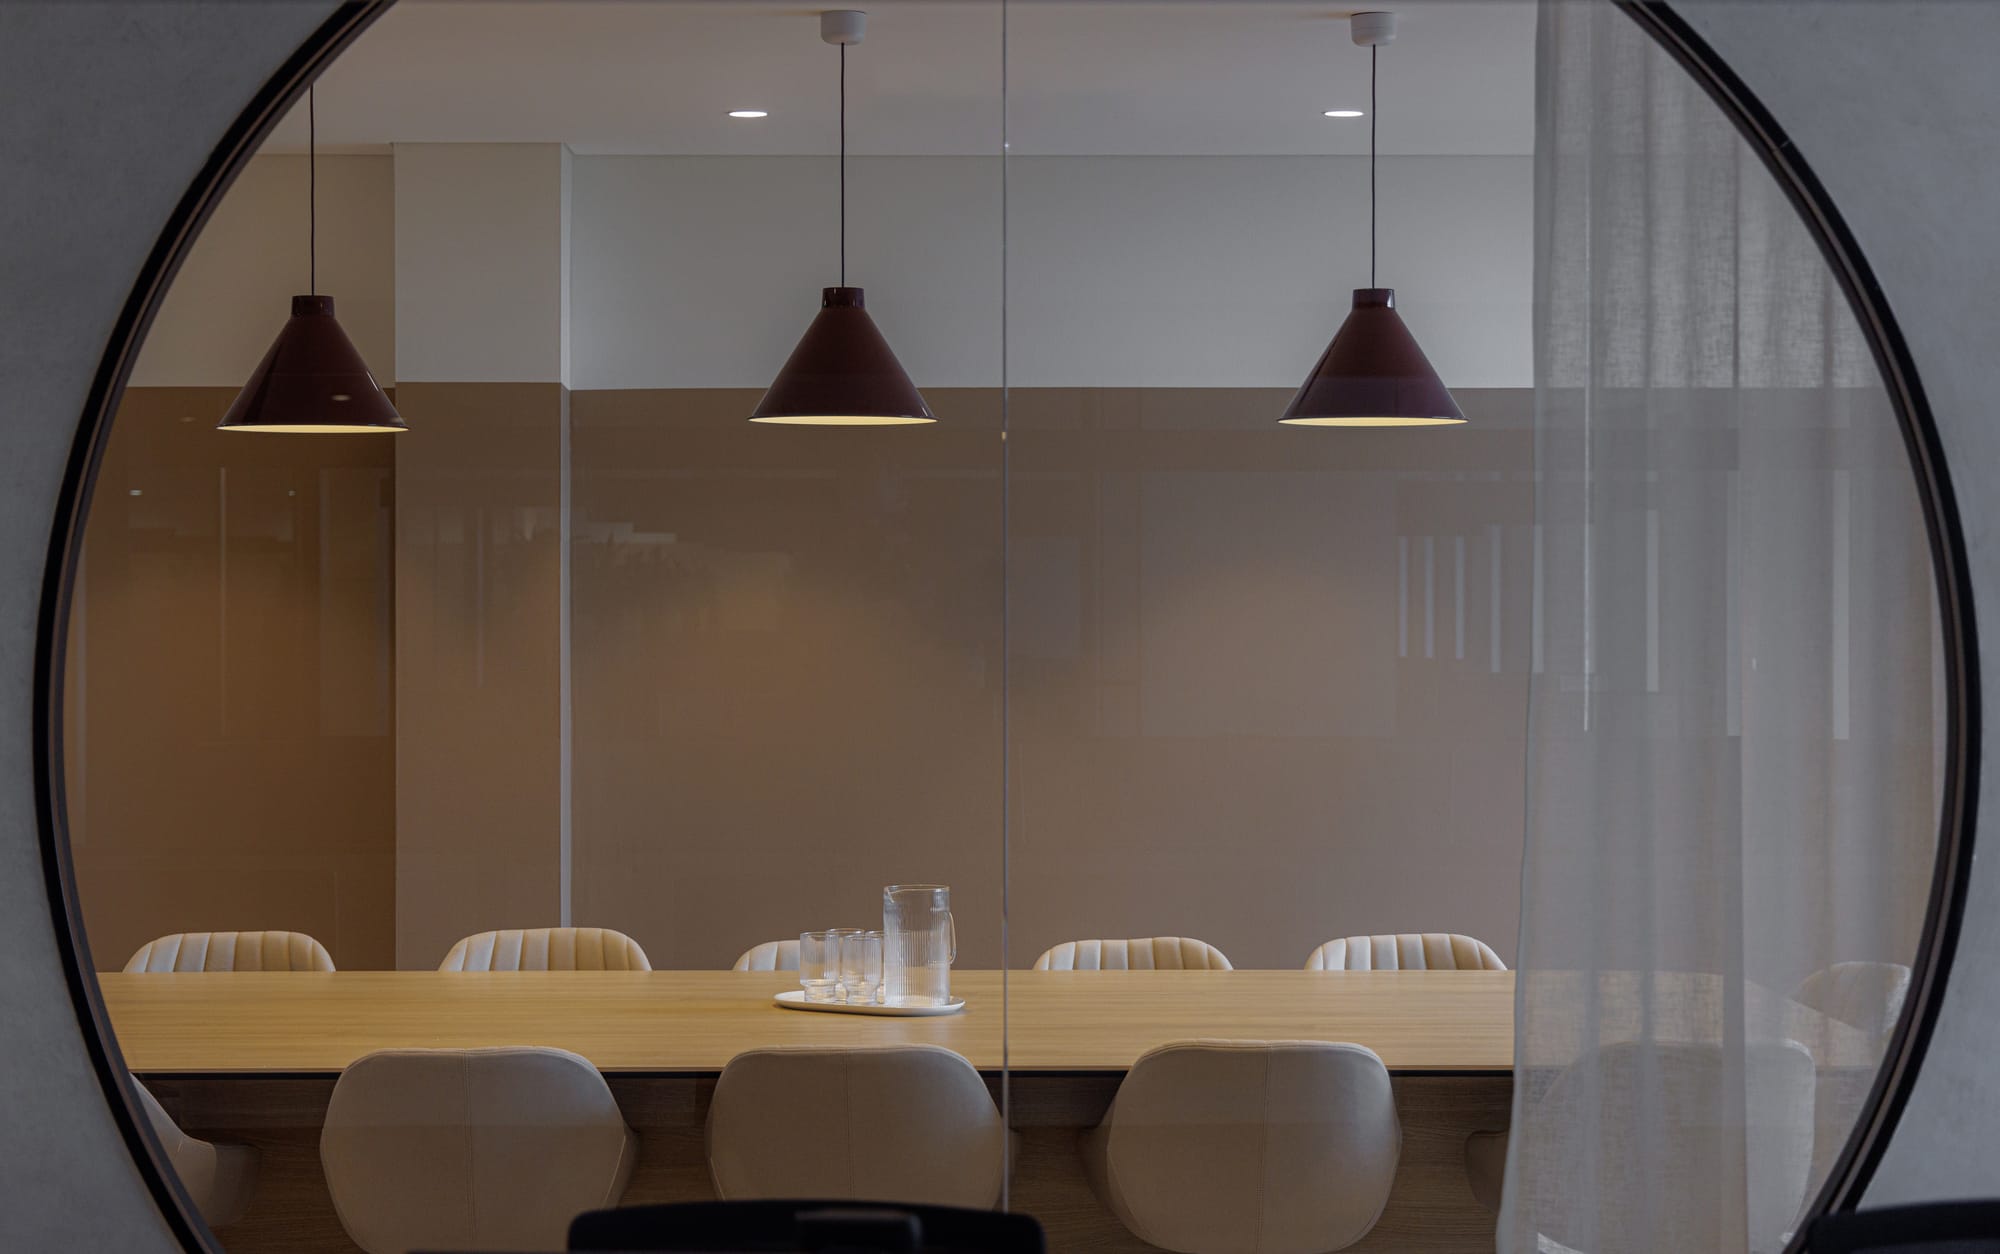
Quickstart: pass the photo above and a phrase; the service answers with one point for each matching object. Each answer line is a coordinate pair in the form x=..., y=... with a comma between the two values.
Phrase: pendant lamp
x=312, y=381
x=842, y=373
x=1373, y=374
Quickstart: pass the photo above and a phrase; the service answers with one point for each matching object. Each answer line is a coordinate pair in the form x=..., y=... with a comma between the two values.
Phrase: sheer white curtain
x=1732, y=747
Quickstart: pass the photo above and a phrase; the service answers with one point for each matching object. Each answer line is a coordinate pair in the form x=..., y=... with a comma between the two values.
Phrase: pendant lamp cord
x=1373, y=49
x=312, y=192
x=843, y=165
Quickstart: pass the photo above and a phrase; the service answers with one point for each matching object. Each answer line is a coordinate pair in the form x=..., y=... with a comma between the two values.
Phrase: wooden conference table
x=252, y=1057
x=680, y=1022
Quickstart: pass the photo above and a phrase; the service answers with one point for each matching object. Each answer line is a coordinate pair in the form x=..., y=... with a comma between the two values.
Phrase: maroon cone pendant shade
x=1373, y=374
x=842, y=374
x=312, y=380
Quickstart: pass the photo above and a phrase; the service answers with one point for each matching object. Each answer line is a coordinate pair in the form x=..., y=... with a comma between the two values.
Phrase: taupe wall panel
x=786, y=649
x=107, y=111
x=786, y=656
x=478, y=598
x=236, y=289
x=230, y=729
x=1258, y=694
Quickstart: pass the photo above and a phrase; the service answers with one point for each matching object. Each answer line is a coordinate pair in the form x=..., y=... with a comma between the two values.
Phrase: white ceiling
x=1083, y=77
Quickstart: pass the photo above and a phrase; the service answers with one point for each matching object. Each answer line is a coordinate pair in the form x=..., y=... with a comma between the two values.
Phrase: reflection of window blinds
x=1402, y=596
x=1458, y=595
x=1493, y=600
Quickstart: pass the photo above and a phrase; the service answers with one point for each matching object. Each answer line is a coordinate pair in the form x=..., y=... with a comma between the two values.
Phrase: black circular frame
x=1856, y=1165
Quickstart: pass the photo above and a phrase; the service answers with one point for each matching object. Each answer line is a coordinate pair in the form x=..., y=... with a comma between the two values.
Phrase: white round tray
x=795, y=999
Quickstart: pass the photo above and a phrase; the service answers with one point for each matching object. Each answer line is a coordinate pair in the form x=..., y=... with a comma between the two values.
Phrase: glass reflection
x=588, y=673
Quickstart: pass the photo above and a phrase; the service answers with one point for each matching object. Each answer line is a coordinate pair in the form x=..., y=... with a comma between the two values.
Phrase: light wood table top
x=696, y=1021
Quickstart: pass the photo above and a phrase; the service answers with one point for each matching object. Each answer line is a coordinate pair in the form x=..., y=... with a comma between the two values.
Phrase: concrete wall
x=1899, y=131
x=107, y=112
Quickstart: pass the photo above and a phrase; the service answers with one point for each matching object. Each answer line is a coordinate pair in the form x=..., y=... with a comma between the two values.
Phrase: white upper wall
x=702, y=271
x=235, y=290
x=482, y=262
x=1125, y=271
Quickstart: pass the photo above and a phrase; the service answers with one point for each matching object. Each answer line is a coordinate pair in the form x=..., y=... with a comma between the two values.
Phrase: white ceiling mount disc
x=1372, y=30
x=843, y=26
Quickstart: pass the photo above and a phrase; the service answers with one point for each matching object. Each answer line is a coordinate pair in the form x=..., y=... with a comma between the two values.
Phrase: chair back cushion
x=547, y=949
x=232, y=951
x=1406, y=951
x=1144, y=953
x=1867, y=995
x=770, y=956
x=1262, y=1147
x=898, y=1123
x=489, y=1149
x=1660, y=1111
x=780, y=1225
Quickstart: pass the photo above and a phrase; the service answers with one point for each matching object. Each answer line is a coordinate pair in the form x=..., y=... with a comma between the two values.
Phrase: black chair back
x=804, y=1228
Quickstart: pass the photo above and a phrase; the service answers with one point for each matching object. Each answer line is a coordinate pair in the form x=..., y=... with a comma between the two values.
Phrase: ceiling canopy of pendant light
x=312, y=380
x=842, y=373
x=1373, y=374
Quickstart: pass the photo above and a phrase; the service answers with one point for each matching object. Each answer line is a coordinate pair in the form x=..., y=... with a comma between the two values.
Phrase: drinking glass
x=833, y=939
x=819, y=964
x=861, y=968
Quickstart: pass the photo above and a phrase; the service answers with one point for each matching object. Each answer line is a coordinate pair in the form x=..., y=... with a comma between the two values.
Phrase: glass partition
x=1146, y=678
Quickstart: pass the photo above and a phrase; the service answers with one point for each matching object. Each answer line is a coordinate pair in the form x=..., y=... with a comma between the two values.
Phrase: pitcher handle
x=951, y=921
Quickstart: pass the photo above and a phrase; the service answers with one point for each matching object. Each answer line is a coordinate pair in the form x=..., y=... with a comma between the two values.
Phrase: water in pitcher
x=919, y=944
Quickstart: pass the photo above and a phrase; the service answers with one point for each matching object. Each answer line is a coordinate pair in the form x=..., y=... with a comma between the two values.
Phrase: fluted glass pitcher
x=919, y=944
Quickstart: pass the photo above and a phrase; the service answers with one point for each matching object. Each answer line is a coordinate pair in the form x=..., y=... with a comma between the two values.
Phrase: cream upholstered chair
x=1671, y=1092
x=232, y=951
x=1406, y=951
x=490, y=1149
x=219, y=1176
x=1866, y=995
x=547, y=949
x=770, y=956
x=1145, y=953
x=893, y=1123
x=1249, y=1147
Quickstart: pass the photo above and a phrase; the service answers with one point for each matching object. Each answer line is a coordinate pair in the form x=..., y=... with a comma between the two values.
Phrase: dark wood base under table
x=1430, y=1210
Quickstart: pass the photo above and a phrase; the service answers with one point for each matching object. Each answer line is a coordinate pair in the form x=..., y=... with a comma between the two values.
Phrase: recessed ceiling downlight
x=1344, y=113
x=749, y=113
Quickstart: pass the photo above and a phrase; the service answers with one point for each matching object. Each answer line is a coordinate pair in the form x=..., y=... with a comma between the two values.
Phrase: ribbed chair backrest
x=547, y=949
x=1144, y=953
x=1406, y=951
x=891, y=1123
x=231, y=951
x=480, y=1149
x=770, y=956
x=1249, y=1147
x=1866, y=995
